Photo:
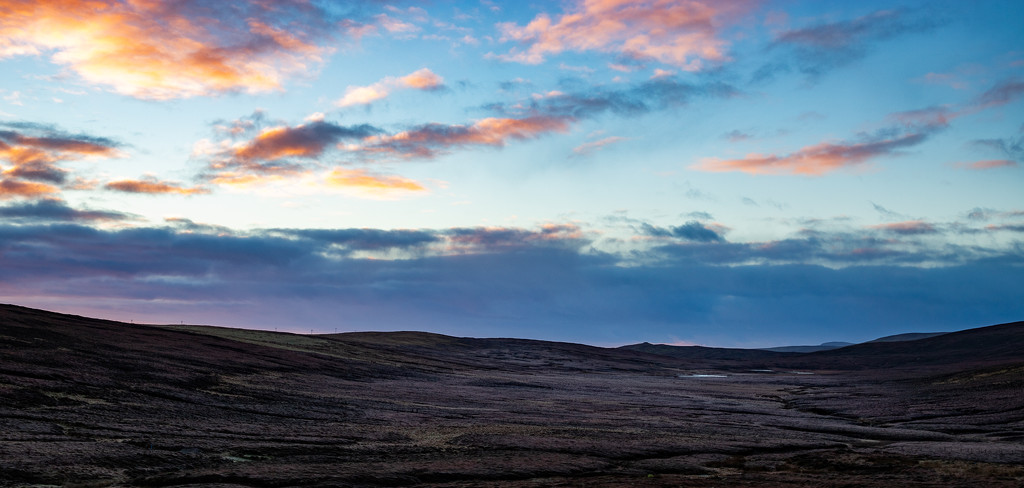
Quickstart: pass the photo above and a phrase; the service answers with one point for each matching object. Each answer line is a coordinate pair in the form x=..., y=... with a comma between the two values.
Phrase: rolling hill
x=88, y=402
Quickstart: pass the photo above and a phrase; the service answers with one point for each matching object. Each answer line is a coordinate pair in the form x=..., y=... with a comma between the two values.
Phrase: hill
x=89, y=402
x=972, y=348
x=825, y=346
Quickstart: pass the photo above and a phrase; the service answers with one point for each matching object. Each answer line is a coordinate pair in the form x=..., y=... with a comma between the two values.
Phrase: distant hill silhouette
x=913, y=336
x=979, y=347
x=820, y=347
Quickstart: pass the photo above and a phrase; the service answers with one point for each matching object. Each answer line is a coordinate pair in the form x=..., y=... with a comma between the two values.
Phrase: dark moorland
x=86, y=402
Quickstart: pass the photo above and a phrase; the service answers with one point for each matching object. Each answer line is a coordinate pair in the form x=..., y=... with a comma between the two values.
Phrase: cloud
x=57, y=210
x=987, y=164
x=422, y=79
x=949, y=79
x=366, y=239
x=1003, y=93
x=699, y=215
x=491, y=239
x=907, y=228
x=1009, y=227
x=366, y=181
x=393, y=25
x=15, y=188
x=737, y=136
x=273, y=153
x=34, y=152
x=1011, y=148
x=683, y=34
x=254, y=152
x=886, y=213
x=153, y=186
x=691, y=231
x=818, y=159
x=931, y=118
x=431, y=140
x=541, y=283
x=651, y=95
x=910, y=128
x=592, y=146
x=821, y=48
x=302, y=141
x=161, y=50
x=34, y=149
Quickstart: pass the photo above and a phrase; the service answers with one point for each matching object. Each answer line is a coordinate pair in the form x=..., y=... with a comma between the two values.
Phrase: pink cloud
x=153, y=186
x=684, y=34
x=914, y=127
x=951, y=80
x=987, y=164
x=1003, y=93
x=589, y=147
x=430, y=139
x=911, y=227
x=484, y=239
x=422, y=79
x=814, y=160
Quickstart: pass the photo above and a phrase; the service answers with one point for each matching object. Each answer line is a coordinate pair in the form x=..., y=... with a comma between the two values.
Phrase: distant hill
x=913, y=336
x=380, y=353
x=979, y=347
x=820, y=347
x=704, y=353
x=826, y=346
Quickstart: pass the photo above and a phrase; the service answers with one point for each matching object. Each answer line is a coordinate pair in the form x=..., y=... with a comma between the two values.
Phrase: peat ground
x=86, y=402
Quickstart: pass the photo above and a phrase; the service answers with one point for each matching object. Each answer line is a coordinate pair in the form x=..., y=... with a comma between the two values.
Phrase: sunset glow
x=602, y=171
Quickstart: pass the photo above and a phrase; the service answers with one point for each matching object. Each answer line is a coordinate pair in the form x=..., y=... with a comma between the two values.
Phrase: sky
x=729, y=173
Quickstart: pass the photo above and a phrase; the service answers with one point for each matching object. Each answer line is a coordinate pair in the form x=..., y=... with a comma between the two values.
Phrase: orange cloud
x=165, y=50
x=34, y=152
x=363, y=180
x=359, y=183
x=27, y=189
x=814, y=160
x=247, y=179
x=684, y=34
x=20, y=149
x=422, y=79
x=152, y=186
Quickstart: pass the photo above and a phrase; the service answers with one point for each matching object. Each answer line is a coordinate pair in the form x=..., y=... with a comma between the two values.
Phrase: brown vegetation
x=96, y=403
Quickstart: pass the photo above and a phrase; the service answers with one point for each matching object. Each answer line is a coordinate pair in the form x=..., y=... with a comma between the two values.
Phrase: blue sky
x=725, y=173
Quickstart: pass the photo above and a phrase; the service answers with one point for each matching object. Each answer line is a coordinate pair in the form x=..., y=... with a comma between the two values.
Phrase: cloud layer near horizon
x=479, y=280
